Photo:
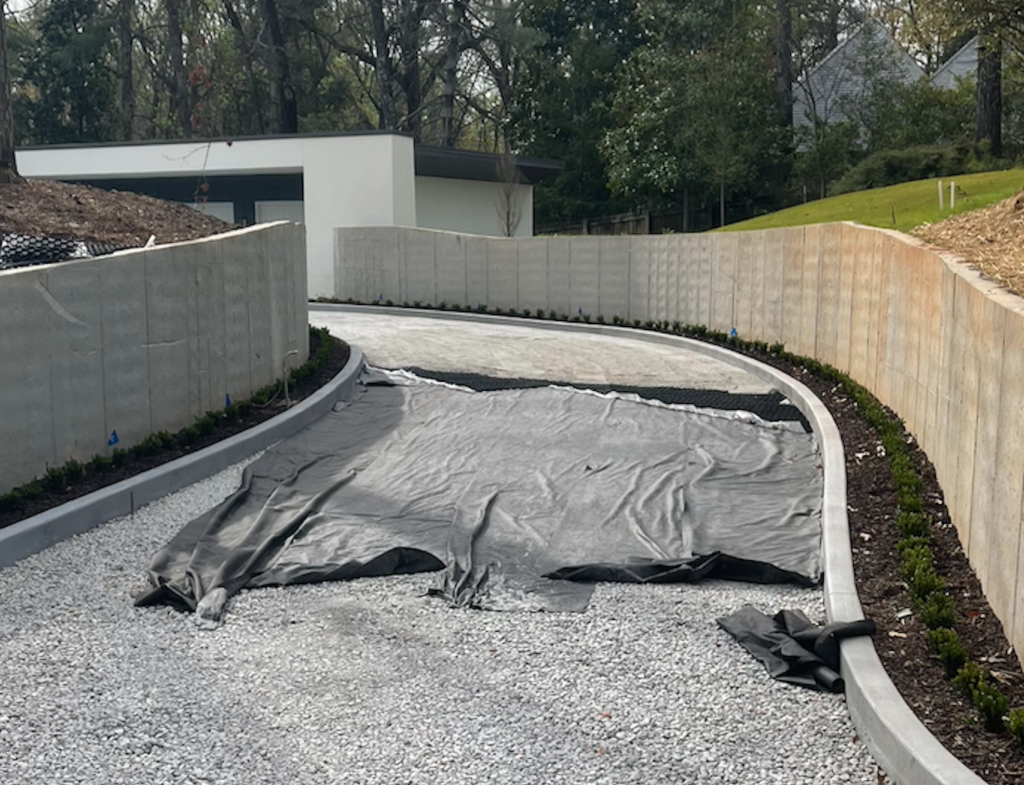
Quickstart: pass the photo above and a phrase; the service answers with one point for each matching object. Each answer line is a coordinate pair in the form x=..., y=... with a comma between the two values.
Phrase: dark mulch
x=901, y=645
x=224, y=428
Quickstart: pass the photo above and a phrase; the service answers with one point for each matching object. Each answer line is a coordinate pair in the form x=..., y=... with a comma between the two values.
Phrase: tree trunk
x=784, y=62
x=721, y=203
x=285, y=119
x=409, y=46
x=125, y=42
x=176, y=49
x=8, y=164
x=245, y=52
x=456, y=21
x=988, y=126
x=388, y=119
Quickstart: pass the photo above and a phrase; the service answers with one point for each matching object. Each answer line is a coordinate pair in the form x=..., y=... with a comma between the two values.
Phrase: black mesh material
x=20, y=250
x=768, y=406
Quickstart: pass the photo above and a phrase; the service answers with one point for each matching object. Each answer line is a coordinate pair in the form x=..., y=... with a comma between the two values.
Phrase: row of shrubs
x=932, y=603
x=59, y=478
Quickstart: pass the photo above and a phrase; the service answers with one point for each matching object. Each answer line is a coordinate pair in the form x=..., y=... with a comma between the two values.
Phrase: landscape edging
x=39, y=532
x=897, y=739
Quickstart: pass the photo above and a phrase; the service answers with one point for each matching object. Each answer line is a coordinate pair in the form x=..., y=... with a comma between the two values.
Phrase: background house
x=322, y=180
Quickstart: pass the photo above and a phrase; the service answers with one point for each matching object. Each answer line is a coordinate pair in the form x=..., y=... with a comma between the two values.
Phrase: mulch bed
x=94, y=481
x=901, y=645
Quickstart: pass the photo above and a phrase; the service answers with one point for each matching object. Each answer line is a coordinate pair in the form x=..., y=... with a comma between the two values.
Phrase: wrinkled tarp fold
x=500, y=489
x=792, y=647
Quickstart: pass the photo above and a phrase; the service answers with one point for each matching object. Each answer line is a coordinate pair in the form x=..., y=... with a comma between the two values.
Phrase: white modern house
x=322, y=180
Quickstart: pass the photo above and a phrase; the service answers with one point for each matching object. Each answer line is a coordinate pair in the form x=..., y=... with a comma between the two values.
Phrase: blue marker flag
x=113, y=439
x=227, y=401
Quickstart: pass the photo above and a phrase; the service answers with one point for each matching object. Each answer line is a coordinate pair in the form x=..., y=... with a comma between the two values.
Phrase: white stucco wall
x=467, y=206
x=352, y=180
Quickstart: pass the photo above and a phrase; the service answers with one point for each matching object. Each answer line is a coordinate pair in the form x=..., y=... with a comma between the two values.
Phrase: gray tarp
x=502, y=488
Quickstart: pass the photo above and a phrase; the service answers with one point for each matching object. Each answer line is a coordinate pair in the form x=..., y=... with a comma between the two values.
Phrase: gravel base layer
x=372, y=682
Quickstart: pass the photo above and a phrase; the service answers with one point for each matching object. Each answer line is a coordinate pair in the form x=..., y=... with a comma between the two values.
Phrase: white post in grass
x=940, y=195
x=952, y=194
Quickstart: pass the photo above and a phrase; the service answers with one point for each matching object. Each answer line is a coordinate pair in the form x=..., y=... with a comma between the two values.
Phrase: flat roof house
x=375, y=178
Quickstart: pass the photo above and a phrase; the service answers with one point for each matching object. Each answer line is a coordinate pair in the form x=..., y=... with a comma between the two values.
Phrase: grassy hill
x=911, y=204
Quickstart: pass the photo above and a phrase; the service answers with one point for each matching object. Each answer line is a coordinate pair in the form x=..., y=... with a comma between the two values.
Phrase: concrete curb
x=41, y=531
x=901, y=745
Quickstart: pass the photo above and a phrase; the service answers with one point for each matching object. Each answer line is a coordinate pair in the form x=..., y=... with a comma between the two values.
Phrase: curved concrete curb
x=901, y=745
x=41, y=531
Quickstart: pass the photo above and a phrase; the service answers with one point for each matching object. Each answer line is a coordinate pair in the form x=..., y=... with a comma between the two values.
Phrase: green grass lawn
x=912, y=203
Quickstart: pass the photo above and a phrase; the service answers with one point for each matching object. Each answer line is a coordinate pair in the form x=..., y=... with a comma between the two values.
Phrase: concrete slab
x=723, y=282
x=420, y=267
x=476, y=271
x=613, y=277
x=450, y=258
x=808, y=341
x=502, y=278
x=74, y=293
x=1006, y=521
x=792, y=288
x=559, y=298
x=659, y=263
x=705, y=278
x=584, y=266
x=829, y=283
x=749, y=278
x=533, y=273
x=509, y=349
x=639, y=278
x=773, y=293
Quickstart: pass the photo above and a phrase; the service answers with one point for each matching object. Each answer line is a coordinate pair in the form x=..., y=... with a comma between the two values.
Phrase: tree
x=989, y=105
x=694, y=112
x=8, y=162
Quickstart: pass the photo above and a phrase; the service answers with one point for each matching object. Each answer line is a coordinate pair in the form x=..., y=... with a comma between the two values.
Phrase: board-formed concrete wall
x=142, y=341
x=928, y=336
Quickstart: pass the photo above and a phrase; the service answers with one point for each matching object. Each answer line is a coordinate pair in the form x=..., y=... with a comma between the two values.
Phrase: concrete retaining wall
x=142, y=341
x=926, y=335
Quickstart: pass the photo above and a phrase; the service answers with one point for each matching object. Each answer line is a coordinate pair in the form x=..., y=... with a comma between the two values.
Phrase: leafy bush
x=937, y=610
x=54, y=478
x=912, y=524
x=952, y=653
x=74, y=470
x=991, y=704
x=889, y=167
x=925, y=582
x=1015, y=724
x=968, y=678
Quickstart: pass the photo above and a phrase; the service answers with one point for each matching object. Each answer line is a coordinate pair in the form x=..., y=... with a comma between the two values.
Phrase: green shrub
x=100, y=463
x=119, y=457
x=925, y=582
x=889, y=167
x=937, y=610
x=991, y=704
x=913, y=559
x=946, y=643
x=912, y=544
x=1015, y=724
x=968, y=678
x=912, y=524
x=10, y=501
x=54, y=478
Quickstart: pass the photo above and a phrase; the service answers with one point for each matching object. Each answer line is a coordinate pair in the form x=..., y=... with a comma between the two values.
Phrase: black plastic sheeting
x=792, y=647
x=20, y=250
x=521, y=498
x=771, y=406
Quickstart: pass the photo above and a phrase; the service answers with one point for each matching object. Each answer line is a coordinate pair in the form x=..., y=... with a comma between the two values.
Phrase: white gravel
x=371, y=682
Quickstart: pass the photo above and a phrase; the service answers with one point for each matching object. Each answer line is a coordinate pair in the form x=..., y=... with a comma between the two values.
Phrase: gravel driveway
x=373, y=682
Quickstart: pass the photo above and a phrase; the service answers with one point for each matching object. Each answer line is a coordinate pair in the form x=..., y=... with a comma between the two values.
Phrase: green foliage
x=54, y=478
x=68, y=89
x=890, y=167
x=968, y=678
x=118, y=457
x=74, y=470
x=1015, y=725
x=912, y=524
x=952, y=653
x=937, y=610
x=991, y=704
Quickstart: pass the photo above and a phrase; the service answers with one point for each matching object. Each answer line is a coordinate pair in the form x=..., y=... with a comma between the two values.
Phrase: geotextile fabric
x=520, y=498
